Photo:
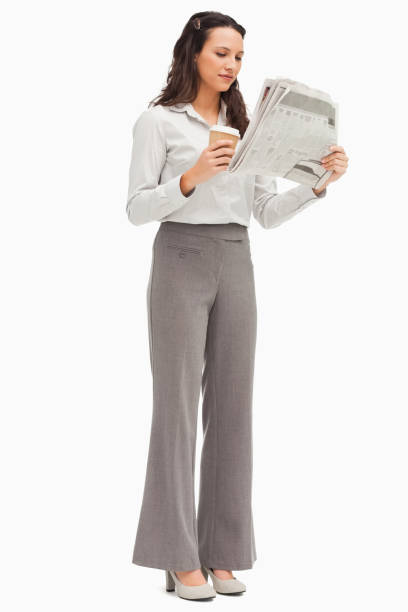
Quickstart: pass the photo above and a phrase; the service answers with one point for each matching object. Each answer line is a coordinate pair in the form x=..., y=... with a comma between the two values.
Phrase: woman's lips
x=228, y=78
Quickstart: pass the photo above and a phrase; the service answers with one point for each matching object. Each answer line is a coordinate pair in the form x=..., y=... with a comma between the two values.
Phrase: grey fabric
x=202, y=336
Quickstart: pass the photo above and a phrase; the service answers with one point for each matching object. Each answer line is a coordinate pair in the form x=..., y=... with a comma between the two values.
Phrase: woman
x=202, y=311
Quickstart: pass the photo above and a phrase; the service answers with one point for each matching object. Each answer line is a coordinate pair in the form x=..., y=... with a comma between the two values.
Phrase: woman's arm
x=271, y=208
x=147, y=200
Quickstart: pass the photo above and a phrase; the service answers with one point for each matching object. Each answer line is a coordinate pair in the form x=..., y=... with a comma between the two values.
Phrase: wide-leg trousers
x=202, y=333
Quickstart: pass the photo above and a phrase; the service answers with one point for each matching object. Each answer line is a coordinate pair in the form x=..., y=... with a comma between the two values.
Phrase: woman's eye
x=223, y=55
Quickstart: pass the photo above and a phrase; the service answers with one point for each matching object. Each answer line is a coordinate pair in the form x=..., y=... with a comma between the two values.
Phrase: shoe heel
x=170, y=586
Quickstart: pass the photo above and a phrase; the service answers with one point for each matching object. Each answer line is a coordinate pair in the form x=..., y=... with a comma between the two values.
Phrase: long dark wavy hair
x=182, y=79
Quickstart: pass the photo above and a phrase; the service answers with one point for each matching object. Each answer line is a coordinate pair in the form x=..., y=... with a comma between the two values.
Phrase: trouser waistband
x=227, y=231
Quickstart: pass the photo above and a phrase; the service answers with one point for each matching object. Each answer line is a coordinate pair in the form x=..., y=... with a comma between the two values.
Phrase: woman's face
x=221, y=54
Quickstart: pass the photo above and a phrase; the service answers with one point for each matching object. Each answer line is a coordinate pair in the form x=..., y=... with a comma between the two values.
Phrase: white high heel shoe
x=232, y=586
x=200, y=591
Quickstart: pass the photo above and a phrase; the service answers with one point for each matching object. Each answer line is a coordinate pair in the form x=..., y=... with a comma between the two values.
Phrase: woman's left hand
x=336, y=161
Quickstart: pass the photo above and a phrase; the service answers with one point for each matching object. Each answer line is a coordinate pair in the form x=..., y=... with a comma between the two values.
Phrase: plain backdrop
x=330, y=389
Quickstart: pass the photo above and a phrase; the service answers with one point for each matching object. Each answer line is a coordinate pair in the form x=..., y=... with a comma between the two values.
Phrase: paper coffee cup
x=221, y=132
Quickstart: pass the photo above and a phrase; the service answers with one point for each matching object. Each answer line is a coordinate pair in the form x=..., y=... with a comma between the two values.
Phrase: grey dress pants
x=202, y=334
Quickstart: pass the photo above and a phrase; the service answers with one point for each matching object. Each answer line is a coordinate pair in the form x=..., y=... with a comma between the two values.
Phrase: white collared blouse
x=167, y=141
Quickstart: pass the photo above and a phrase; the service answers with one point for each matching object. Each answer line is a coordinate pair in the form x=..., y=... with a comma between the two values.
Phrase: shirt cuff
x=321, y=194
x=305, y=193
x=173, y=191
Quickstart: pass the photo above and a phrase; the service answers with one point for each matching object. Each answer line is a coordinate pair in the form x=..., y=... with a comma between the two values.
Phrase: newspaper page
x=291, y=129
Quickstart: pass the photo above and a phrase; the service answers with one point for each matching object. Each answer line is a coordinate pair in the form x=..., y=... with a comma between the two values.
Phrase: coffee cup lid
x=225, y=128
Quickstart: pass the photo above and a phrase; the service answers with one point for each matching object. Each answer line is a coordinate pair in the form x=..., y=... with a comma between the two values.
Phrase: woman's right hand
x=214, y=159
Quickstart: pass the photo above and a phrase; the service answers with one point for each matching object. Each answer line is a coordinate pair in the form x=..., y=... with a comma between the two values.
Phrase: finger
x=334, y=160
x=329, y=165
x=220, y=143
x=220, y=160
x=223, y=151
x=338, y=169
x=334, y=156
x=336, y=148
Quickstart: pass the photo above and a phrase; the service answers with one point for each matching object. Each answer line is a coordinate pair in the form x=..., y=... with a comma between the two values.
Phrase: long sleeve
x=271, y=208
x=147, y=200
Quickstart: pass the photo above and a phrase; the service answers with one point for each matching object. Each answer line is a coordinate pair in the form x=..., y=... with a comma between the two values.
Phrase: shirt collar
x=189, y=109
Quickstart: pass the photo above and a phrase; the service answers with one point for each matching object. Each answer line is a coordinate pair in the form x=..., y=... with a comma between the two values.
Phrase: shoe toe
x=229, y=587
x=226, y=587
x=200, y=591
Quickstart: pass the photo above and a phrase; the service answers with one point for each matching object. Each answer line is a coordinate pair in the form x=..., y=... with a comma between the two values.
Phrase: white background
x=330, y=395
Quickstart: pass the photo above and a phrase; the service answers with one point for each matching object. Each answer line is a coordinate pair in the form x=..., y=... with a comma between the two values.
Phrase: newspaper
x=290, y=130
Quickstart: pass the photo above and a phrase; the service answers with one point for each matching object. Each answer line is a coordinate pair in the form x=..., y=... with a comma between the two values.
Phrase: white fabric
x=167, y=141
